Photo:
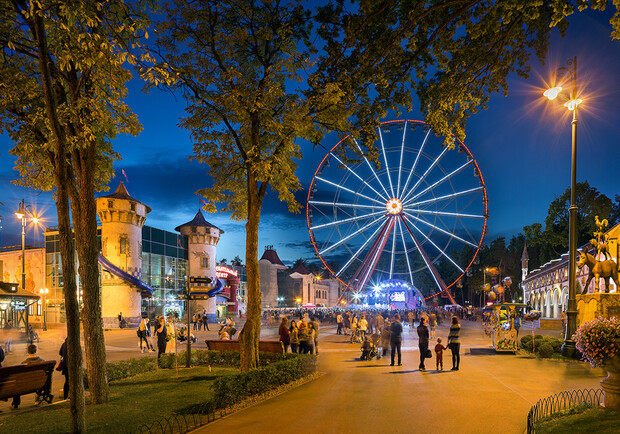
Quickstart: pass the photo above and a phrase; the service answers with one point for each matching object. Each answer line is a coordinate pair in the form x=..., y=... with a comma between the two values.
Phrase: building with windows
x=546, y=288
x=282, y=286
x=143, y=269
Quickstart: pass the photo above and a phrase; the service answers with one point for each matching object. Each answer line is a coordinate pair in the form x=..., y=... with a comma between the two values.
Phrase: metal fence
x=185, y=421
x=561, y=402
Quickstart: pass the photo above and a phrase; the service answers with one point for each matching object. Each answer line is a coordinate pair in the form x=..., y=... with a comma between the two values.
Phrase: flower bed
x=598, y=340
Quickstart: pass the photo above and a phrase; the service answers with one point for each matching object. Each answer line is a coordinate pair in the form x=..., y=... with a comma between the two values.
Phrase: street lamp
x=23, y=213
x=568, y=348
x=44, y=292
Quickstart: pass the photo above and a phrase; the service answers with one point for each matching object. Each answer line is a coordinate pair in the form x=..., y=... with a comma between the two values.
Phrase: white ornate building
x=546, y=288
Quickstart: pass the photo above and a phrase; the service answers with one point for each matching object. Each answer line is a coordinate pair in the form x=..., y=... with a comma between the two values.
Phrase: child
x=366, y=347
x=439, y=354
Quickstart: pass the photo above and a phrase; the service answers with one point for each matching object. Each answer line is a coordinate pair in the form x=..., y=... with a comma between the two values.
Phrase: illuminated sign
x=397, y=296
x=18, y=305
x=223, y=272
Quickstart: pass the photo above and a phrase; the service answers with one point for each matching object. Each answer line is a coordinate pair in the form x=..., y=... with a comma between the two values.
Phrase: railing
x=185, y=421
x=561, y=402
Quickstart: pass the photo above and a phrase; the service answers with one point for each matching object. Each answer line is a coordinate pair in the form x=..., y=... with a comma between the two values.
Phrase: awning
x=10, y=291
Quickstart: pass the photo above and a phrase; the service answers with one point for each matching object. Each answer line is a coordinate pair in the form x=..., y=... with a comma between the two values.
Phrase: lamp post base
x=569, y=350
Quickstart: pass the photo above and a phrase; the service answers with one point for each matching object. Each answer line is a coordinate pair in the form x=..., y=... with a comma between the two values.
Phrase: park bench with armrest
x=23, y=379
x=265, y=346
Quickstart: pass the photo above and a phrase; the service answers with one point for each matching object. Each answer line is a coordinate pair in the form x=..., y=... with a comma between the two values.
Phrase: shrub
x=527, y=345
x=538, y=343
x=526, y=338
x=557, y=345
x=232, y=389
x=546, y=350
x=538, y=336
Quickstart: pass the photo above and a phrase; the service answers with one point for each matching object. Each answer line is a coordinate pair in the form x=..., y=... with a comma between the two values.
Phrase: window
x=133, y=206
x=204, y=262
x=110, y=204
x=193, y=229
x=39, y=305
x=123, y=245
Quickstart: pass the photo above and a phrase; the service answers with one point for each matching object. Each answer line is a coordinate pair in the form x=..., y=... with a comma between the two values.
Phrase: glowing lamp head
x=19, y=215
x=35, y=220
x=394, y=206
x=572, y=104
x=553, y=92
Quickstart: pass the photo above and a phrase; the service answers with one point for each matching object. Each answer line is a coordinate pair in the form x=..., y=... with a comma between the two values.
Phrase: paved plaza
x=490, y=393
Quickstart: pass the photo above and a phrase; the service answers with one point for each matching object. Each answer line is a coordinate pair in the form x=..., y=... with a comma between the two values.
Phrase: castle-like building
x=144, y=272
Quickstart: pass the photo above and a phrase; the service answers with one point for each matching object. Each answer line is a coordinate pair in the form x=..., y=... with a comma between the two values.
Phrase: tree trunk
x=63, y=182
x=67, y=253
x=85, y=223
x=250, y=335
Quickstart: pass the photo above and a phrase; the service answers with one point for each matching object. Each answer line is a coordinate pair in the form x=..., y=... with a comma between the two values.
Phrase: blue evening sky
x=521, y=142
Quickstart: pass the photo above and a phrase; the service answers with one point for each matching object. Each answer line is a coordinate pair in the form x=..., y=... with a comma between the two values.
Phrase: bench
x=265, y=346
x=23, y=379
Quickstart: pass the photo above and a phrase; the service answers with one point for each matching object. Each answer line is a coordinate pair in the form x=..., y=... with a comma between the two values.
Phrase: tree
x=553, y=239
x=63, y=75
x=261, y=76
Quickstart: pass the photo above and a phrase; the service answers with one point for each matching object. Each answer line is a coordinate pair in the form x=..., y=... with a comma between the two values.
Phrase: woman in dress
x=294, y=337
x=285, y=335
x=162, y=337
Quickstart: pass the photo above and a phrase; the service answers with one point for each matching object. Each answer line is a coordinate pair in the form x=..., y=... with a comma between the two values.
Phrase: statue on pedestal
x=598, y=269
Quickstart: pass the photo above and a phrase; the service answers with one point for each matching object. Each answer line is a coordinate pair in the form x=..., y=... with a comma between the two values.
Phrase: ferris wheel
x=417, y=215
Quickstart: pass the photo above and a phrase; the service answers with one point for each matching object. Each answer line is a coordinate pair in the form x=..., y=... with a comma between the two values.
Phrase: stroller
x=369, y=349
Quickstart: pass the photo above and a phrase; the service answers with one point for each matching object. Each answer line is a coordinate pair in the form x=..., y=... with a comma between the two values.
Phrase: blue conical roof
x=198, y=220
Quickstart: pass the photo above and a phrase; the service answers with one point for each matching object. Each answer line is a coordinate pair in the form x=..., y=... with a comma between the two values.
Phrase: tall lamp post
x=44, y=292
x=23, y=213
x=570, y=72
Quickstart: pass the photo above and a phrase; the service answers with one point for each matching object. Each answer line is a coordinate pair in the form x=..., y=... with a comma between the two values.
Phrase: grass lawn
x=133, y=402
x=593, y=420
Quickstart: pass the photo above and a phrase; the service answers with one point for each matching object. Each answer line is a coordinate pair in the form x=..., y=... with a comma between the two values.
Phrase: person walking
x=285, y=335
x=385, y=337
x=144, y=331
x=194, y=322
x=363, y=327
x=422, y=342
x=205, y=321
x=396, y=329
x=379, y=323
x=347, y=323
x=454, y=343
x=162, y=337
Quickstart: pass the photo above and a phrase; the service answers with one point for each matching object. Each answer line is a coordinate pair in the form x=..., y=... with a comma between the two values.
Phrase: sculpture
x=598, y=269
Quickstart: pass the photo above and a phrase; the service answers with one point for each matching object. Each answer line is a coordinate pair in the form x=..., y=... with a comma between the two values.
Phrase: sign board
x=206, y=280
x=223, y=272
x=18, y=304
x=398, y=296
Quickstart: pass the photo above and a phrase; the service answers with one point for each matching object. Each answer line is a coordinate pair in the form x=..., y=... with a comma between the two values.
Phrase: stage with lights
x=395, y=295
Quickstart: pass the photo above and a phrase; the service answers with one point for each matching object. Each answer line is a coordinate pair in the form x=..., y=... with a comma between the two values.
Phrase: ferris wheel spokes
x=402, y=236
x=438, y=249
x=356, y=254
x=445, y=213
x=345, y=205
x=423, y=177
x=450, y=234
x=370, y=167
x=387, y=166
x=342, y=187
x=441, y=181
x=449, y=196
x=349, y=220
x=372, y=257
x=400, y=166
x=348, y=237
x=358, y=177
x=415, y=163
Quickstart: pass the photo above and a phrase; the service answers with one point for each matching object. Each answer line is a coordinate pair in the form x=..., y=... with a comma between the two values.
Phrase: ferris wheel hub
x=394, y=206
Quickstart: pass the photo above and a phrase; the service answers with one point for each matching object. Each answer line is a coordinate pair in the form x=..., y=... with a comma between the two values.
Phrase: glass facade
x=164, y=267
x=164, y=262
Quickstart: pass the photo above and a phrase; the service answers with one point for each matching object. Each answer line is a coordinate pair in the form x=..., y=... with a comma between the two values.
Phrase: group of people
x=302, y=336
x=200, y=321
x=389, y=330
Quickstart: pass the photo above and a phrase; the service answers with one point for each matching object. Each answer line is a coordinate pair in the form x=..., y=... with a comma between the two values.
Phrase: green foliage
x=538, y=336
x=526, y=338
x=546, y=350
x=527, y=345
x=233, y=389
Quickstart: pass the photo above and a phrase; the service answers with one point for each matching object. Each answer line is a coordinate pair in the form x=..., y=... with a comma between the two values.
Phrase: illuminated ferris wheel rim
x=395, y=204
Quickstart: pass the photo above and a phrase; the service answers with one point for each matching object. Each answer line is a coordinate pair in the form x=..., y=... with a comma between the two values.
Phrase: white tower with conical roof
x=122, y=218
x=202, y=239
